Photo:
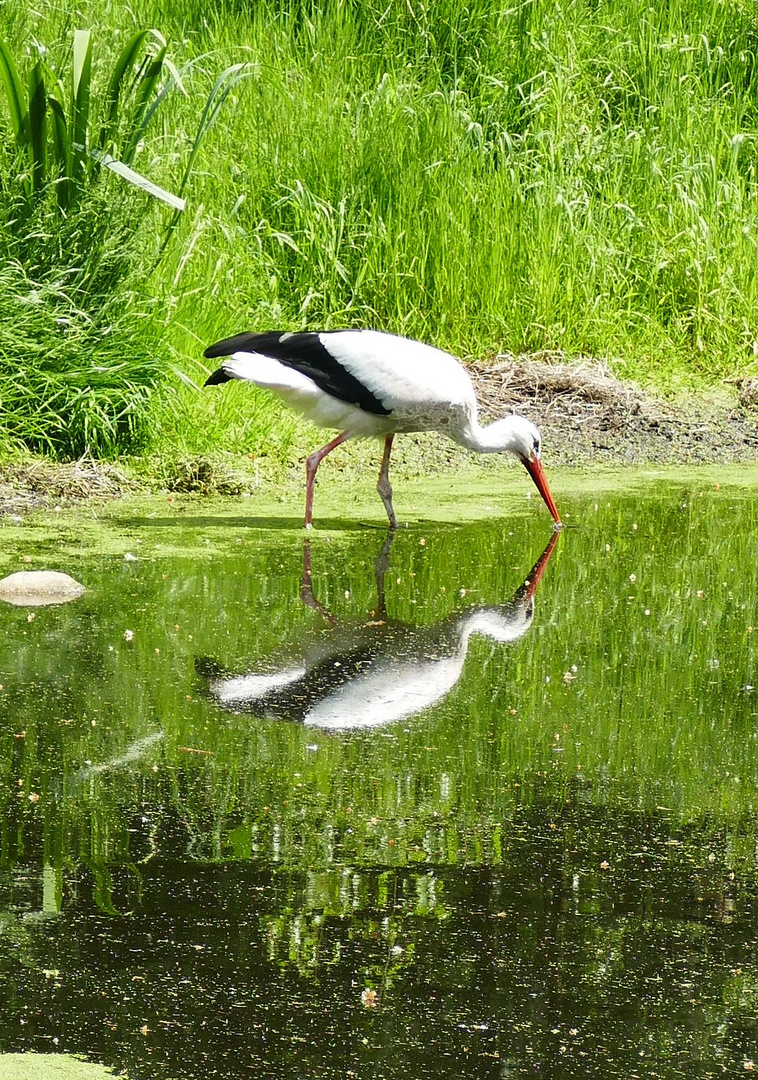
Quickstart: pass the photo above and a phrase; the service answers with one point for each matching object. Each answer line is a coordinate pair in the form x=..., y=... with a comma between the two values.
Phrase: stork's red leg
x=311, y=464
x=383, y=484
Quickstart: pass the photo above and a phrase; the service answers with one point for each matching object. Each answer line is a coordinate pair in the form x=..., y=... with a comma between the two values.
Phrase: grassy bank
x=577, y=177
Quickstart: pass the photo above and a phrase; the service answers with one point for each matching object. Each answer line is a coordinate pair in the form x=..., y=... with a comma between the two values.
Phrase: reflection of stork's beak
x=534, y=467
x=529, y=588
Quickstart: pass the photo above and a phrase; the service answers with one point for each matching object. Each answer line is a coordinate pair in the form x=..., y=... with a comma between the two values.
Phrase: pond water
x=479, y=801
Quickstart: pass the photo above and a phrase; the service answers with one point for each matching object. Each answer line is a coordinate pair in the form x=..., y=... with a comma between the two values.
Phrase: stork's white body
x=423, y=388
x=364, y=383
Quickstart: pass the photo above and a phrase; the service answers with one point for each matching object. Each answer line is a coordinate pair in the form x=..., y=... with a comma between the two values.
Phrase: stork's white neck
x=502, y=435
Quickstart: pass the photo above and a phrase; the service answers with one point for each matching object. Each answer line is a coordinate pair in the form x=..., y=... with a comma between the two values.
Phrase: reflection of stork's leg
x=383, y=484
x=381, y=565
x=306, y=587
x=311, y=464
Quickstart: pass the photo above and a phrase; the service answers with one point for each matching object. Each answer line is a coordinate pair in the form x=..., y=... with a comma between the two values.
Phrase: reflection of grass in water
x=575, y=878
x=654, y=716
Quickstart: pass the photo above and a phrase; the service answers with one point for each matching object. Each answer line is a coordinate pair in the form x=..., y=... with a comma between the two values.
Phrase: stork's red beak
x=534, y=467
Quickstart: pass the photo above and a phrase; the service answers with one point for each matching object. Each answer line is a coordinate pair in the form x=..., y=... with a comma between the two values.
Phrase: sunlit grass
x=577, y=177
x=76, y=372
x=584, y=181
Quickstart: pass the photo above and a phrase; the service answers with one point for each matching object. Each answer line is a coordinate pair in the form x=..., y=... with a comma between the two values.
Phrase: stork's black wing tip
x=245, y=342
x=218, y=376
x=225, y=347
x=216, y=350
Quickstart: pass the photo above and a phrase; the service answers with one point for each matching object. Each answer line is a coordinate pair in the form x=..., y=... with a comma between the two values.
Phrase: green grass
x=79, y=355
x=565, y=180
x=578, y=177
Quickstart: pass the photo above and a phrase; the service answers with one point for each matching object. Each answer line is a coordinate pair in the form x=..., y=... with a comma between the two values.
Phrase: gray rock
x=34, y=588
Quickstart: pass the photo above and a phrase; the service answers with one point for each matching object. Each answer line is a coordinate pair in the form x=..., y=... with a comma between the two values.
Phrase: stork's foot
x=383, y=485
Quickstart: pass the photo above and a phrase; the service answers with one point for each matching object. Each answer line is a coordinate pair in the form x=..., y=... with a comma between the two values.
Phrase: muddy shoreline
x=587, y=416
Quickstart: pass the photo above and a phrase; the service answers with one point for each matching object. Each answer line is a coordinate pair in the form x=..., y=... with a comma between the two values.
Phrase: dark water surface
x=468, y=804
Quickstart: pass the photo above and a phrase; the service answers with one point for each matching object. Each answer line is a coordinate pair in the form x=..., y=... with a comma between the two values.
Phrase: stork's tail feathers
x=226, y=348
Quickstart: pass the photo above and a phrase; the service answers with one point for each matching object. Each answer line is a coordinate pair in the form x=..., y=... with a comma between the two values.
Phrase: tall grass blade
x=145, y=89
x=123, y=67
x=80, y=99
x=175, y=79
x=14, y=93
x=127, y=173
x=223, y=86
x=59, y=133
x=38, y=126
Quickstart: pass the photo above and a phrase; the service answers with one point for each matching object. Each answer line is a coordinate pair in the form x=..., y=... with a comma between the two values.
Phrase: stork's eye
x=536, y=448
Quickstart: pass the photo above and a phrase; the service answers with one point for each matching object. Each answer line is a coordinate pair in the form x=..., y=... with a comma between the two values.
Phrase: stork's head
x=526, y=443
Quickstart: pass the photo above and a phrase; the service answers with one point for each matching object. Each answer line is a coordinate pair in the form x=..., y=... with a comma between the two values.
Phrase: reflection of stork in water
x=361, y=676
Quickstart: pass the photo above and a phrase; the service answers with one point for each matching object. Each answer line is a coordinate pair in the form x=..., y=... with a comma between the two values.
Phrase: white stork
x=365, y=383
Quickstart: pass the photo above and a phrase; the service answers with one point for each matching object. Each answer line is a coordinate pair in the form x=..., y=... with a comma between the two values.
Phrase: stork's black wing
x=308, y=353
